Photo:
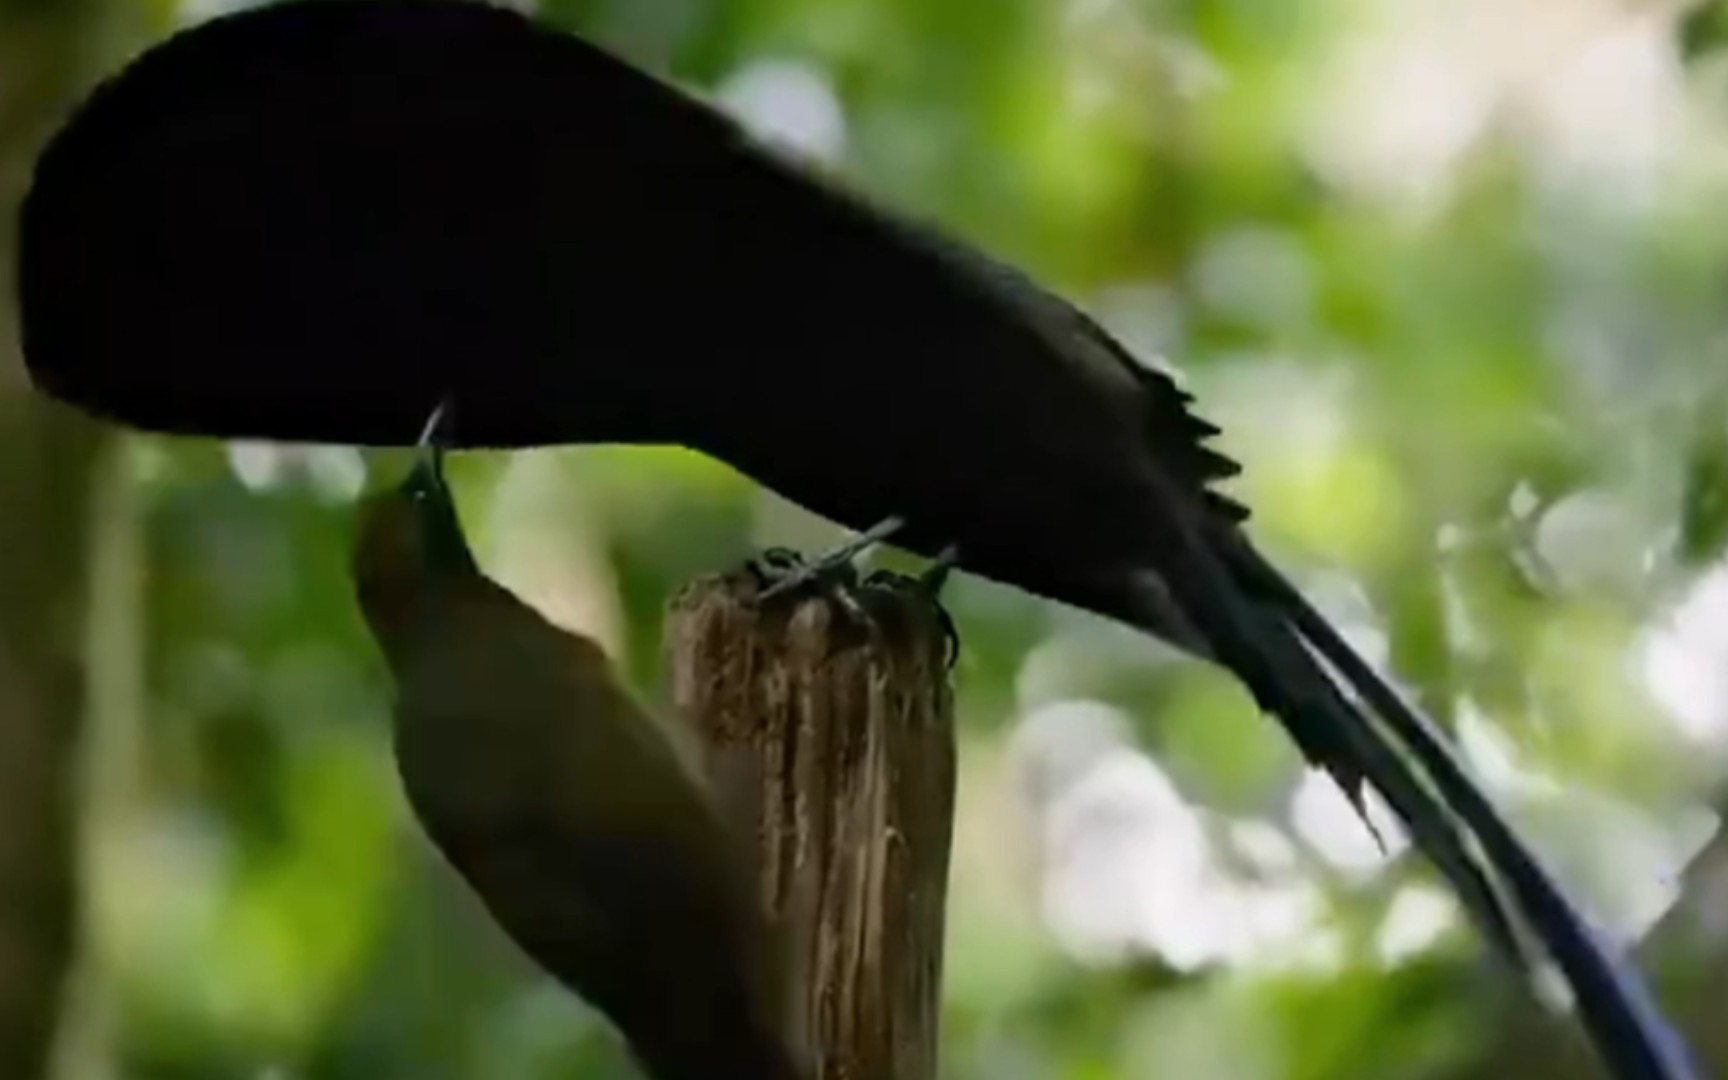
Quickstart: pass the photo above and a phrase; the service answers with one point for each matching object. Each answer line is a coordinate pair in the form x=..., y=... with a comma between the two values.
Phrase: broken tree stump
x=827, y=732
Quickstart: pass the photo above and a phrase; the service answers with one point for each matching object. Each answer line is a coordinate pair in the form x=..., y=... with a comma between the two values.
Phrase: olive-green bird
x=563, y=804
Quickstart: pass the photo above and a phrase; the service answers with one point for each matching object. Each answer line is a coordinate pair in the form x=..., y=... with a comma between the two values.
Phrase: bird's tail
x=1258, y=625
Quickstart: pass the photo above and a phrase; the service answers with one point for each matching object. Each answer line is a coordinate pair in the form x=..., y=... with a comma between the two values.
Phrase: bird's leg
x=836, y=566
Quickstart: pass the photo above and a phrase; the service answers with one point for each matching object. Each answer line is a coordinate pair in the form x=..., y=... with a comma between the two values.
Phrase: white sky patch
x=1282, y=927
x=1324, y=818
x=1058, y=743
x=1622, y=862
x=1265, y=846
x=257, y=465
x=791, y=103
x=336, y=473
x=196, y=11
x=1259, y=274
x=1274, y=408
x=1594, y=538
x=1125, y=859
x=1614, y=113
x=1128, y=863
x=1592, y=90
x=1491, y=757
x=1401, y=113
x=1417, y=918
x=1683, y=659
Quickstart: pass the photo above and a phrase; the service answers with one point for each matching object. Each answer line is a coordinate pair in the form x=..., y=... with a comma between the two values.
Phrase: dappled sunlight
x=1592, y=90
x=1494, y=759
x=337, y=473
x=1129, y=867
x=1318, y=479
x=1417, y=918
x=1624, y=863
x=1683, y=658
x=1325, y=820
x=1596, y=540
x=1262, y=276
x=788, y=102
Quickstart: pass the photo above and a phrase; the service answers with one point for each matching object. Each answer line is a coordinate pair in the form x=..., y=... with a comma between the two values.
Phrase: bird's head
x=409, y=535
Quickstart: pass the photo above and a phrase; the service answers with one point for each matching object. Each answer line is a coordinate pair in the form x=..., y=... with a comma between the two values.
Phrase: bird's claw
x=775, y=564
x=929, y=584
x=782, y=572
x=836, y=568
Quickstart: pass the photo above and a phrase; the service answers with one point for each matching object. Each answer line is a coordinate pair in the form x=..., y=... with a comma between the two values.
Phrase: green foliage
x=1423, y=375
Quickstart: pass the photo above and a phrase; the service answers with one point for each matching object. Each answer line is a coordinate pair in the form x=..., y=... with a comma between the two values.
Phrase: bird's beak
x=427, y=472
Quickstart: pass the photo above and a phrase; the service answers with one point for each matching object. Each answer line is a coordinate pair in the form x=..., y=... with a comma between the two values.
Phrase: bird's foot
x=773, y=566
x=833, y=569
x=783, y=572
x=929, y=584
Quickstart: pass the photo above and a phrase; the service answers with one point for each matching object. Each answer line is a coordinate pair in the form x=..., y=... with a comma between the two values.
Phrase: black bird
x=315, y=220
x=563, y=804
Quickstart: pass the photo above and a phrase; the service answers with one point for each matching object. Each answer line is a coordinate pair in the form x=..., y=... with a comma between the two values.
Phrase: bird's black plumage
x=313, y=221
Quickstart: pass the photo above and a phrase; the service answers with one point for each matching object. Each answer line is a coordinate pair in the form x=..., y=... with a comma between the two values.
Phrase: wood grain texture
x=827, y=731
